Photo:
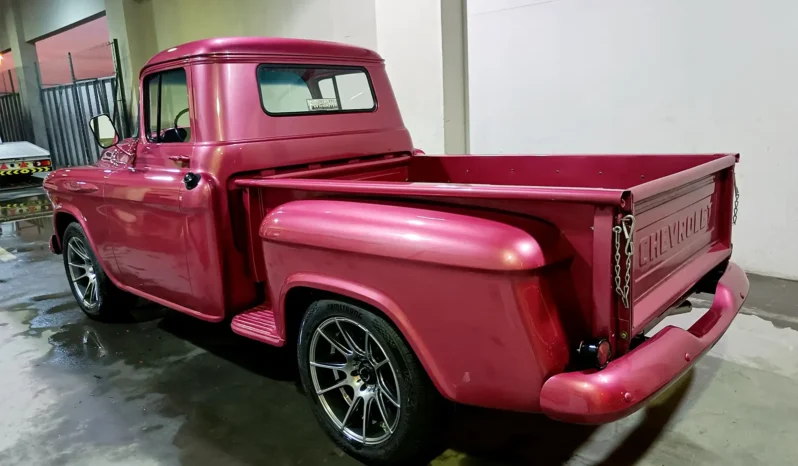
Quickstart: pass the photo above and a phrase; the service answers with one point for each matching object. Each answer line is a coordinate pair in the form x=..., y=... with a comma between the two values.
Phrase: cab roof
x=263, y=46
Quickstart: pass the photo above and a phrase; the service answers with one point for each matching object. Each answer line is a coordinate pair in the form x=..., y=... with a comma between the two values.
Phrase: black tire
x=416, y=435
x=111, y=303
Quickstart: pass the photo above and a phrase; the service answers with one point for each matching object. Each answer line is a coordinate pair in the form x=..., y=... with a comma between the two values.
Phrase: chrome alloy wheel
x=355, y=381
x=81, y=273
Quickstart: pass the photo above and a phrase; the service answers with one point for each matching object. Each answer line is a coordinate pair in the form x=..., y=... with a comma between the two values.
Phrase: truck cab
x=274, y=186
x=198, y=118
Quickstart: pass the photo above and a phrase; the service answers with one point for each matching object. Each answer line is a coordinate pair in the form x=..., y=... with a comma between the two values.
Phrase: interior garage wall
x=409, y=38
x=407, y=34
x=145, y=27
x=42, y=17
x=179, y=21
x=5, y=43
x=421, y=41
x=587, y=76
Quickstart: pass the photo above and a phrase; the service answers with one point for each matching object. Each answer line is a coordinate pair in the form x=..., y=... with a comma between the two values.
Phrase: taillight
x=41, y=163
x=595, y=353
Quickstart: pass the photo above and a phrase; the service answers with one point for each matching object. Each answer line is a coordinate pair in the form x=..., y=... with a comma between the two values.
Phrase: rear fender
x=492, y=243
x=452, y=237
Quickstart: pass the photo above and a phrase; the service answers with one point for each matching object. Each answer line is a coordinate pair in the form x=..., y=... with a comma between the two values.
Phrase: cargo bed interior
x=583, y=171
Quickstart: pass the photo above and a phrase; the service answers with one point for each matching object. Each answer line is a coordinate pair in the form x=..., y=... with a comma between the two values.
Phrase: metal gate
x=14, y=124
x=68, y=108
x=14, y=121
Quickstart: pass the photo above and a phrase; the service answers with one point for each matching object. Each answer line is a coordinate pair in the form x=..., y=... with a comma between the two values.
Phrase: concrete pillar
x=131, y=24
x=25, y=58
x=454, y=39
x=424, y=46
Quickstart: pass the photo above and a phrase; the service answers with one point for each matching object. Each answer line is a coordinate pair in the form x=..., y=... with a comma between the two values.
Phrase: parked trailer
x=19, y=161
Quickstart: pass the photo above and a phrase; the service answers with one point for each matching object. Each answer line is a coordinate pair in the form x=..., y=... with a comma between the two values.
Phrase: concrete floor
x=173, y=390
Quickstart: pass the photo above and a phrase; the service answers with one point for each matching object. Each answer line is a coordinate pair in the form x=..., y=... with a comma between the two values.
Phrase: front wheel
x=97, y=297
x=368, y=390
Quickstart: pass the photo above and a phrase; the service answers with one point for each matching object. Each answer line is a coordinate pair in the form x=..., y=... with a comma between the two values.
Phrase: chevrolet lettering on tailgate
x=654, y=247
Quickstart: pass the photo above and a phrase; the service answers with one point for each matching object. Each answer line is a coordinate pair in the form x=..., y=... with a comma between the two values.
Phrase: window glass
x=312, y=90
x=166, y=113
x=327, y=88
x=151, y=90
x=354, y=91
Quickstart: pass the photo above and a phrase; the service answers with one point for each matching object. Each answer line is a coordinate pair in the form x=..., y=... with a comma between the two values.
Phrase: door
x=147, y=227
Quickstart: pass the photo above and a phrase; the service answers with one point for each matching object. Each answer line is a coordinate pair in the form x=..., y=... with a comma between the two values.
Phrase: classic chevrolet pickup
x=273, y=185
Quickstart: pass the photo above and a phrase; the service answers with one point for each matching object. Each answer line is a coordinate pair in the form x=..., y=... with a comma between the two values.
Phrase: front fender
x=61, y=210
x=72, y=211
x=78, y=193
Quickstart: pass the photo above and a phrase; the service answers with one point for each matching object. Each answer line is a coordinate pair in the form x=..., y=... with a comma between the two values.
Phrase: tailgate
x=682, y=231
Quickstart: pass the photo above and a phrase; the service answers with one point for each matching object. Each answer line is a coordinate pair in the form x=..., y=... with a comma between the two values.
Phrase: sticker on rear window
x=322, y=104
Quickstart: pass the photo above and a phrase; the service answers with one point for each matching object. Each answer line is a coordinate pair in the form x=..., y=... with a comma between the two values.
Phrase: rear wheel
x=97, y=297
x=368, y=390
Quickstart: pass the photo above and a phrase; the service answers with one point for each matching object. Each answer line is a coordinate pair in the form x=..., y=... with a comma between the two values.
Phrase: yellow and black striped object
x=24, y=171
x=12, y=210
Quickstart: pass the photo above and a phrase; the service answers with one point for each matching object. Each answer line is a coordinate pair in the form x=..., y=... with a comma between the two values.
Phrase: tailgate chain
x=736, y=199
x=626, y=227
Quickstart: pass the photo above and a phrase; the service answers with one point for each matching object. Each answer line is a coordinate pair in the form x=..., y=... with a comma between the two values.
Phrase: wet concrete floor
x=171, y=390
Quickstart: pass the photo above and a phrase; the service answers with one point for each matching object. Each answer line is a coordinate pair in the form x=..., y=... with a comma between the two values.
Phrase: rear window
x=303, y=90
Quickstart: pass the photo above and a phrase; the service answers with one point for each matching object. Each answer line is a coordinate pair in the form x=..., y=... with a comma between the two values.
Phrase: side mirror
x=104, y=131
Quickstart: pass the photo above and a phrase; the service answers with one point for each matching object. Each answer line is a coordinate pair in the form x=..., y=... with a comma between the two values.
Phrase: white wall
x=650, y=76
x=409, y=38
x=180, y=21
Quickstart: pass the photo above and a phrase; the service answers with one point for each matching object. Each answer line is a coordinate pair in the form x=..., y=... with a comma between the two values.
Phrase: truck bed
x=681, y=205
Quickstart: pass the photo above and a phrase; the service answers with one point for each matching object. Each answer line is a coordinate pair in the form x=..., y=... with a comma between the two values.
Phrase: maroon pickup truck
x=274, y=186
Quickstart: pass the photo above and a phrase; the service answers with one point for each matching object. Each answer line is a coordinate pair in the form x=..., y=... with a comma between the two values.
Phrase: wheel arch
x=302, y=289
x=61, y=221
x=66, y=215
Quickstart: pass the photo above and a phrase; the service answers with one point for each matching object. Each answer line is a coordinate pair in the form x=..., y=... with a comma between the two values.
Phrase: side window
x=166, y=113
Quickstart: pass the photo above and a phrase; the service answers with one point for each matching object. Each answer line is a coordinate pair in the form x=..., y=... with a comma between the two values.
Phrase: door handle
x=180, y=158
x=80, y=187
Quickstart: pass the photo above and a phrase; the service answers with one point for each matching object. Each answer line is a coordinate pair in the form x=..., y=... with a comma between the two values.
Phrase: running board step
x=258, y=323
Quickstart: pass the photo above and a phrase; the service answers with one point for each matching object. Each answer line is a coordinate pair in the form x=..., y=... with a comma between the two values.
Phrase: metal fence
x=67, y=110
x=68, y=103
x=14, y=124
x=14, y=121
x=72, y=89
